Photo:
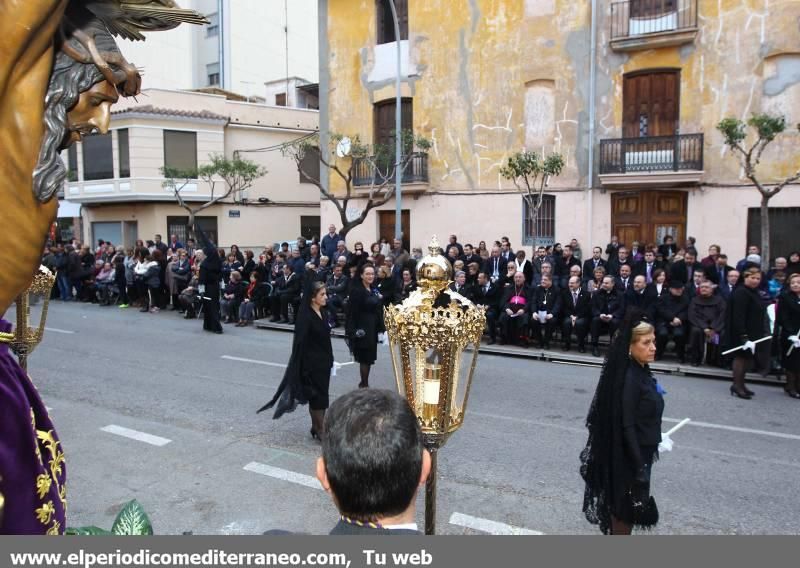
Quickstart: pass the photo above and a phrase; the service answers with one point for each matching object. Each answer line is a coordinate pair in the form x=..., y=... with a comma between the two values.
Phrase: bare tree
x=767, y=128
x=531, y=173
x=376, y=163
x=234, y=175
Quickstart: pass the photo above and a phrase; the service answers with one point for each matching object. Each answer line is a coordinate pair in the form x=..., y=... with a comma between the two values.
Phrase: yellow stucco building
x=628, y=92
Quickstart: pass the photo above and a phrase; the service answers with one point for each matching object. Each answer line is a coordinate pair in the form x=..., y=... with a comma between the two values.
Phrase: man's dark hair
x=373, y=453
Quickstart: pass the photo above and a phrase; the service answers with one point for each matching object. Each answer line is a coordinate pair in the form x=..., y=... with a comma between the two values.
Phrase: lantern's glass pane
x=462, y=372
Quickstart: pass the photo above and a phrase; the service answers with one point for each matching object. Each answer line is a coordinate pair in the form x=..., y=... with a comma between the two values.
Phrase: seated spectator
x=668, y=248
x=596, y=283
x=625, y=280
x=473, y=269
x=458, y=265
x=232, y=297
x=286, y=291
x=659, y=283
x=249, y=265
x=607, y=311
x=726, y=289
x=672, y=320
x=776, y=283
x=524, y=265
x=713, y=255
x=341, y=252
x=575, y=270
x=719, y=272
x=337, y=287
x=576, y=313
x=546, y=269
x=648, y=266
x=324, y=269
x=188, y=299
x=707, y=319
x=636, y=253
x=545, y=309
x=471, y=255
x=103, y=283
x=640, y=297
x=253, y=296
x=407, y=285
x=563, y=266
x=373, y=463
x=230, y=265
x=515, y=317
x=460, y=286
x=592, y=264
x=453, y=254
x=487, y=294
x=693, y=288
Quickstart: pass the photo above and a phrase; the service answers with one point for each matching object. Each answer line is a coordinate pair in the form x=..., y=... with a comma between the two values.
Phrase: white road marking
x=487, y=526
x=255, y=361
x=283, y=474
x=56, y=330
x=736, y=429
x=136, y=435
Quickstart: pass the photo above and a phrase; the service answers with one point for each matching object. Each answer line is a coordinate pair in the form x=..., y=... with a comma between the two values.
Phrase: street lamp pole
x=398, y=129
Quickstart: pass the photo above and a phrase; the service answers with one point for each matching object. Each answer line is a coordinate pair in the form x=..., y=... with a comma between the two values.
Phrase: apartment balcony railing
x=639, y=24
x=368, y=172
x=682, y=152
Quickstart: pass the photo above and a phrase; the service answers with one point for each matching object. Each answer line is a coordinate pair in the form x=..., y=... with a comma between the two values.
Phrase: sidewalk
x=574, y=358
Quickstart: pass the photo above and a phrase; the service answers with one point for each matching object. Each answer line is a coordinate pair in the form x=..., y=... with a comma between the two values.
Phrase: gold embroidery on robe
x=55, y=530
x=45, y=513
x=43, y=483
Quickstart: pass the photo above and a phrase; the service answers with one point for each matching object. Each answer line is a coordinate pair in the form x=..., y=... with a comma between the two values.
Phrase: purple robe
x=32, y=470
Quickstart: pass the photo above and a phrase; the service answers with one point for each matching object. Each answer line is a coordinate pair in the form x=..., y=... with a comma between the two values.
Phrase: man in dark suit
x=540, y=257
x=563, y=265
x=718, y=273
x=495, y=266
x=647, y=266
x=286, y=291
x=612, y=249
x=622, y=259
x=731, y=279
x=576, y=312
x=683, y=270
x=625, y=280
x=641, y=297
x=488, y=294
x=545, y=309
x=607, y=310
x=590, y=264
x=668, y=248
x=460, y=285
x=470, y=256
x=373, y=463
x=672, y=320
x=505, y=252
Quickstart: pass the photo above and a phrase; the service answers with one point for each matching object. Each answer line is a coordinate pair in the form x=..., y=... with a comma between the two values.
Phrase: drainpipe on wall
x=592, y=111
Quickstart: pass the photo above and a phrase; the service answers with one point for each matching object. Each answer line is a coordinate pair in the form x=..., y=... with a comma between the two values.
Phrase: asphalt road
x=200, y=460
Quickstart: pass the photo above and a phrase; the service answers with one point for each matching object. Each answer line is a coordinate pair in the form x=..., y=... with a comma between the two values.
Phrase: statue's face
x=92, y=113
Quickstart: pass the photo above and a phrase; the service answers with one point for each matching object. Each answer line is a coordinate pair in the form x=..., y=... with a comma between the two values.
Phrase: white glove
x=795, y=341
x=666, y=443
x=751, y=345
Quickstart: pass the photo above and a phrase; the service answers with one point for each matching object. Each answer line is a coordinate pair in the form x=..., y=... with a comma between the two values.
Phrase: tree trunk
x=192, y=228
x=765, y=258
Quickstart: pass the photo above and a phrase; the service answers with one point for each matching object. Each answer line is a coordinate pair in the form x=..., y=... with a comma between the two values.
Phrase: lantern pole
x=430, y=490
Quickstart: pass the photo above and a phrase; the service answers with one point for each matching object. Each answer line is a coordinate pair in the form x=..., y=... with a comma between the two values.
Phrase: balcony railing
x=642, y=17
x=367, y=172
x=682, y=152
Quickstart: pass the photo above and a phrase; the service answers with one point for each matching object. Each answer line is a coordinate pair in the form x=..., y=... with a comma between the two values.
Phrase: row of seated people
x=517, y=312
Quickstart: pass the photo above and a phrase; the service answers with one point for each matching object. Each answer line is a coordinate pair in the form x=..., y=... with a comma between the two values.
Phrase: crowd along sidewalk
x=672, y=367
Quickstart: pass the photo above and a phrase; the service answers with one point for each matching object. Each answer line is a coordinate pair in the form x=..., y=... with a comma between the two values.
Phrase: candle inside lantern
x=430, y=389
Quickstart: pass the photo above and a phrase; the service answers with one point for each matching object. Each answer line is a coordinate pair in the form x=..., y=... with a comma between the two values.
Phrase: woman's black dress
x=746, y=319
x=307, y=376
x=365, y=313
x=788, y=318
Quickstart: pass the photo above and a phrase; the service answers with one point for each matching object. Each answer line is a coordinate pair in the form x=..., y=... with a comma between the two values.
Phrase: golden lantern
x=26, y=338
x=429, y=336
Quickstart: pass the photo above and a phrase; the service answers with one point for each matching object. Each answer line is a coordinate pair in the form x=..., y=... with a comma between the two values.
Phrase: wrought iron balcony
x=643, y=24
x=652, y=154
x=369, y=172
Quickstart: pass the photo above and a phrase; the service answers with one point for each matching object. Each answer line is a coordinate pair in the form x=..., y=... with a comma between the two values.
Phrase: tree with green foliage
x=766, y=128
x=235, y=175
x=377, y=159
x=531, y=172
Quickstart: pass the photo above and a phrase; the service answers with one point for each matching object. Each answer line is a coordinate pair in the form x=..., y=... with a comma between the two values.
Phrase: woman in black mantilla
x=308, y=374
x=746, y=322
x=364, y=321
x=624, y=425
x=788, y=320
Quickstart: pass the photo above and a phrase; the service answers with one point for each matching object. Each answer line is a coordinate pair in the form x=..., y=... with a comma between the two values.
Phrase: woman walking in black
x=210, y=274
x=747, y=323
x=624, y=425
x=364, y=321
x=788, y=319
x=308, y=374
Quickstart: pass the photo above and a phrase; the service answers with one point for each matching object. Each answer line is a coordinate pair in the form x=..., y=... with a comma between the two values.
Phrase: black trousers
x=491, y=323
x=548, y=327
x=678, y=334
x=599, y=326
x=514, y=328
x=580, y=328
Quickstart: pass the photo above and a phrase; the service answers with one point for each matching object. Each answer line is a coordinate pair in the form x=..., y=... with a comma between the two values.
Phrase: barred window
x=544, y=231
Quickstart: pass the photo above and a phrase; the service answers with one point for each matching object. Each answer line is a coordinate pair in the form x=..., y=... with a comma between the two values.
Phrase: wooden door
x=386, y=224
x=650, y=104
x=385, y=122
x=648, y=216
